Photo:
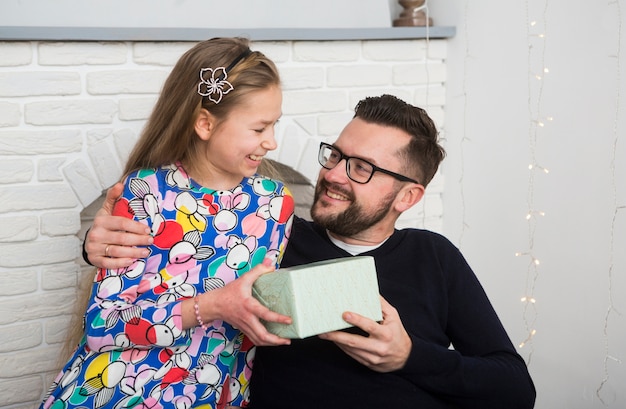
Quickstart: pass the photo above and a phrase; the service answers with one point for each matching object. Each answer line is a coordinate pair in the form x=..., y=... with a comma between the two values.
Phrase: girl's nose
x=269, y=142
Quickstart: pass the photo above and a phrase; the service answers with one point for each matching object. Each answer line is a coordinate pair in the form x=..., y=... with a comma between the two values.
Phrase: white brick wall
x=70, y=113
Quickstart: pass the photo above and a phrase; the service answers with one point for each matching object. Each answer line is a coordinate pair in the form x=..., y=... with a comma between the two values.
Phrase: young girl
x=168, y=331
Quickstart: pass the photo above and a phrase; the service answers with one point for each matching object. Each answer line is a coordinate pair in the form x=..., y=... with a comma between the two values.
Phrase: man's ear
x=205, y=124
x=408, y=197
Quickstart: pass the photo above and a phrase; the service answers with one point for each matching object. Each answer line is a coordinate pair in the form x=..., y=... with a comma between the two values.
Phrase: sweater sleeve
x=480, y=368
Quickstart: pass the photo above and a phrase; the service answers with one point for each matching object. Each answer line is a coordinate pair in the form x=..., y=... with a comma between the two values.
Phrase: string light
x=542, y=122
x=427, y=97
x=537, y=122
x=544, y=170
x=530, y=336
x=616, y=210
x=464, y=139
x=534, y=212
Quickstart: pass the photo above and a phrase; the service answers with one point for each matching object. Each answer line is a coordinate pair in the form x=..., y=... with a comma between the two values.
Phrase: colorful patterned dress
x=134, y=353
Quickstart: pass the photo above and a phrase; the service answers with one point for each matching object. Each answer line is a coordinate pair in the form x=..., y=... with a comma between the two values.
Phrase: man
x=440, y=344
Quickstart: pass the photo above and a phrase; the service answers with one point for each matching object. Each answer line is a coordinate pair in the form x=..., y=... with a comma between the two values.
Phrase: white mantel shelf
x=23, y=33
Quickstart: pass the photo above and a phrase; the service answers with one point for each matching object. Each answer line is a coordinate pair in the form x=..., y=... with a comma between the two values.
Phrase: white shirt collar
x=354, y=249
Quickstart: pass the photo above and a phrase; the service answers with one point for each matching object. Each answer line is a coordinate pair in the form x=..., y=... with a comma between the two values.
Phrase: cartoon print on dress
x=230, y=200
x=136, y=330
x=176, y=176
x=279, y=208
x=141, y=332
x=145, y=204
x=169, y=283
x=188, y=250
x=242, y=256
x=262, y=185
x=212, y=283
x=177, y=278
x=111, y=281
x=178, y=286
x=230, y=389
x=102, y=375
x=206, y=373
x=114, y=311
x=67, y=381
x=192, y=212
x=176, y=364
x=239, y=252
x=135, y=309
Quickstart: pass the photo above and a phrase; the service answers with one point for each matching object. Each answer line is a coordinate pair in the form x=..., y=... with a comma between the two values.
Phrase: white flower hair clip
x=213, y=82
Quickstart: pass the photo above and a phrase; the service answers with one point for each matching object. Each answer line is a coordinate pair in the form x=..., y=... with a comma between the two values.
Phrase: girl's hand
x=235, y=304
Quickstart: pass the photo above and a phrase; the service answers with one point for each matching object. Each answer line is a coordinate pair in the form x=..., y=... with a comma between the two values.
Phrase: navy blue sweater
x=441, y=304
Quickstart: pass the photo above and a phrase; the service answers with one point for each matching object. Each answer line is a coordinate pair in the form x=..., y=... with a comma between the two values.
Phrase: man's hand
x=111, y=242
x=386, y=349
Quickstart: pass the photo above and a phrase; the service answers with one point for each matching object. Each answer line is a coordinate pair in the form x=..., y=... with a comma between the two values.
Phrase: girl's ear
x=205, y=124
x=409, y=196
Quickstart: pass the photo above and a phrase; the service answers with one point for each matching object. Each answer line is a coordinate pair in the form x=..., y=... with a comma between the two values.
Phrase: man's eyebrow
x=370, y=160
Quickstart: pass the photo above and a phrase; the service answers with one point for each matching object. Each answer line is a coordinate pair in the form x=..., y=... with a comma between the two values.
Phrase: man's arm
x=115, y=241
x=483, y=372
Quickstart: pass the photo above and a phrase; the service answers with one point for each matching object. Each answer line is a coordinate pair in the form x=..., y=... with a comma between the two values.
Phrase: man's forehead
x=373, y=149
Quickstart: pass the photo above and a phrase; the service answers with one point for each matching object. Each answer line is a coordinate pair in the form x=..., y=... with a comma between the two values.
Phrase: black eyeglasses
x=357, y=169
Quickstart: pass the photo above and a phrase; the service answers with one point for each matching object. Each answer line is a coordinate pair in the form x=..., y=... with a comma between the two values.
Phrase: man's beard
x=354, y=219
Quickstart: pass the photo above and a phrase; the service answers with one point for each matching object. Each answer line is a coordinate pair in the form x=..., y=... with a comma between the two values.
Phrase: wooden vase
x=412, y=15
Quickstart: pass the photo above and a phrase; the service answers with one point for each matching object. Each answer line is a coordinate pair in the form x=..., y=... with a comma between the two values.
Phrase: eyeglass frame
x=342, y=156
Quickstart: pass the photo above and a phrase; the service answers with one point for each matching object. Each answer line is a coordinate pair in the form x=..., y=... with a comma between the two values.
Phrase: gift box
x=315, y=295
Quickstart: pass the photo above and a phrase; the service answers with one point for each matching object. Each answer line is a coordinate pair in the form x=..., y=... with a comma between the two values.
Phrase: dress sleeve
x=481, y=369
x=118, y=316
x=242, y=370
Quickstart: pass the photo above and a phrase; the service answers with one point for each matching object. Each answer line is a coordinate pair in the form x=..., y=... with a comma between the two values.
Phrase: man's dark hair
x=423, y=154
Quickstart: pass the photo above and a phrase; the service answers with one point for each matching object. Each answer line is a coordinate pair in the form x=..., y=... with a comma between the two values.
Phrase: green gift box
x=315, y=295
